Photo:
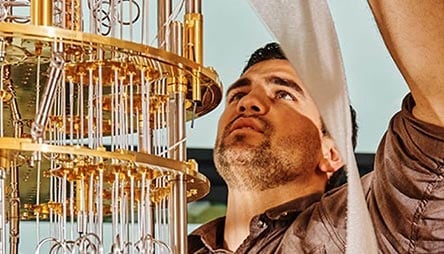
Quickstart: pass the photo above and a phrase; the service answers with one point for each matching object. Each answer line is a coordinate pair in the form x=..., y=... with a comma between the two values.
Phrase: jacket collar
x=211, y=234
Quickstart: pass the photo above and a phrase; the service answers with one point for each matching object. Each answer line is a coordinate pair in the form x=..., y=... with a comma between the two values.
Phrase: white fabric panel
x=306, y=32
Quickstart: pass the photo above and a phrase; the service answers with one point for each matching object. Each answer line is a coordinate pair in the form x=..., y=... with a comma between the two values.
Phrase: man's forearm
x=413, y=31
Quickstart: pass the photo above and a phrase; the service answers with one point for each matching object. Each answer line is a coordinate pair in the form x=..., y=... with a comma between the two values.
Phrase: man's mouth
x=247, y=123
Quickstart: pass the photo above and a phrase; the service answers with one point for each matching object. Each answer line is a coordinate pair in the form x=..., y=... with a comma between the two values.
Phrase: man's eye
x=236, y=96
x=284, y=95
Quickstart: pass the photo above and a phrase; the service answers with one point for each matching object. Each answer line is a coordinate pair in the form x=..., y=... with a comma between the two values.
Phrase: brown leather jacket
x=405, y=197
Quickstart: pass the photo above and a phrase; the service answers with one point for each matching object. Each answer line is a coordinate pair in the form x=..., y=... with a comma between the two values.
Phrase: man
x=276, y=156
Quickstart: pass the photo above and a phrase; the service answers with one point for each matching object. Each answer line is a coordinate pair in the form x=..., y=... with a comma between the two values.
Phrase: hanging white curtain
x=307, y=34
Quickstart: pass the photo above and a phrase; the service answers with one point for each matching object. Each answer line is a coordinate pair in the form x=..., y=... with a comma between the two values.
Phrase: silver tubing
x=99, y=101
x=178, y=197
x=90, y=108
x=2, y=212
x=145, y=24
x=100, y=206
x=14, y=207
x=56, y=69
x=131, y=113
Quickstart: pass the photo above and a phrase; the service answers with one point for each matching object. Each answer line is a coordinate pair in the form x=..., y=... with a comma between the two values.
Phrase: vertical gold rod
x=41, y=12
x=164, y=10
x=193, y=31
x=193, y=42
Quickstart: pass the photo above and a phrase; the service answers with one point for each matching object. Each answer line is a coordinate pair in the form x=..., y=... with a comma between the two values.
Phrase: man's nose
x=254, y=103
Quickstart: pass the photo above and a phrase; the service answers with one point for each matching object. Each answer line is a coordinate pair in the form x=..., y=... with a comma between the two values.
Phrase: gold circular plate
x=28, y=48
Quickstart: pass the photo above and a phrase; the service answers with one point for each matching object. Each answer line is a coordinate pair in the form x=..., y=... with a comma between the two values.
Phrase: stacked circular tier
x=90, y=132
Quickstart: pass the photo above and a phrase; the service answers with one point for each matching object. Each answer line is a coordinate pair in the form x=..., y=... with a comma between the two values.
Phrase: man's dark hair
x=268, y=52
x=273, y=51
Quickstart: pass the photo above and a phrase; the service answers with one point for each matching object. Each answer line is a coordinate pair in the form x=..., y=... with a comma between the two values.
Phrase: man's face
x=269, y=133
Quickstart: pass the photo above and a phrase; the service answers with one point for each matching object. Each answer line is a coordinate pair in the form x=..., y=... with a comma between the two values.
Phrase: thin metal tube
x=2, y=211
x=100, y=205
x=178, y=198
x=193, y=6
x=71, y=112
x=149, y=208
x=63, y=221
x=81, y=114
x=176, y=37
x=71, y=209
x=100, y=100
x=179, y=214
x=14, y=208
x=90, y=108
x=90, y=204
x=56, y=69
x=132, y=219
x=131, y=111
x=145, y=22
x=164, y=10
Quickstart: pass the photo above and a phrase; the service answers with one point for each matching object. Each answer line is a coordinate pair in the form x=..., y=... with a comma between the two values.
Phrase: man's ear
x=331, y=158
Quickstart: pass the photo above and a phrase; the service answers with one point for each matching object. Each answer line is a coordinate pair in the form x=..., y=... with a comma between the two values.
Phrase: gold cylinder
x=196, y=93
x=41, y=12
x=193, y=37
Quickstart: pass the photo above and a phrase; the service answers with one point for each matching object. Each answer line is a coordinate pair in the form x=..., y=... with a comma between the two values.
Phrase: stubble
x=264, y=166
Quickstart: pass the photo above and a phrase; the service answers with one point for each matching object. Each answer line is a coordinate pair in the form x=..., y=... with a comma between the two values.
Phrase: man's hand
x=413, y=31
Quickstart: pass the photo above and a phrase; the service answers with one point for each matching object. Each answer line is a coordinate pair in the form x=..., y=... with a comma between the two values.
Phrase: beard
x=266, y=165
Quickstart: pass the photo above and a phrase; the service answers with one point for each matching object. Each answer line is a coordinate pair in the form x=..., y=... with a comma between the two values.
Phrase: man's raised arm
x=414, y=34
